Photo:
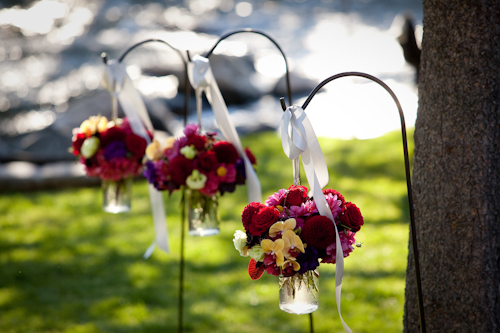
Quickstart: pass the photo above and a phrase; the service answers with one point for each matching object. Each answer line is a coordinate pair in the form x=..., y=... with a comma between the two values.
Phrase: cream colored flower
x=169, y=143
x=196, y=181
x=256, y=253
x=240, y=241
x=154, y=151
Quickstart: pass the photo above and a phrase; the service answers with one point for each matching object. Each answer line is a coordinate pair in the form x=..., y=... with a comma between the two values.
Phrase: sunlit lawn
x=66, y=266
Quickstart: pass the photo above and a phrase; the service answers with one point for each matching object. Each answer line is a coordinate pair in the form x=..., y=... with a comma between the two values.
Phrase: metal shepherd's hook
x=407, y=170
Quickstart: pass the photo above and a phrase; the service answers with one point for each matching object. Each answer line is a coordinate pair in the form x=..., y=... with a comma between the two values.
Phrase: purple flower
x=174, y=151
x=150, y=172
x=115, y=149
x=241, y=174
x=275, y=199
x=190, y=129
x=309, y=260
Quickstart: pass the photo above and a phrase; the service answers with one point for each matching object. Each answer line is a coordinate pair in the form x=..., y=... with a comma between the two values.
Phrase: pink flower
x=276, y=198
x=334, y=204
x=347, y=240
x=226, y=173
x=305, y=209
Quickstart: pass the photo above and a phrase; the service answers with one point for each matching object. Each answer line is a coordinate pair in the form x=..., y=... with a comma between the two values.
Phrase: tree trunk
x=457, y=170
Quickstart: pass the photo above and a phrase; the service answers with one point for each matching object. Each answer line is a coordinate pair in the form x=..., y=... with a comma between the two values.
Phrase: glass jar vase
x=117, y=195
x=203, y=214
x=299, y=294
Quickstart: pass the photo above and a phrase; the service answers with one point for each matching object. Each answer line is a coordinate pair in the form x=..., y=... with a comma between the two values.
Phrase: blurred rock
x=26, y=176
x=299, y=84
x=51, y=144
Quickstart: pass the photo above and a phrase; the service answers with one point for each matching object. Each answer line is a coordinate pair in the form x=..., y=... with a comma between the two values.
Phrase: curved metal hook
x=407, y=169
x=287, y=72
x=186, y=80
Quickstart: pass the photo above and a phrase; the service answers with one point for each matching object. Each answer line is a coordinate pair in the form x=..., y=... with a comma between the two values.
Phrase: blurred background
x=50, y=66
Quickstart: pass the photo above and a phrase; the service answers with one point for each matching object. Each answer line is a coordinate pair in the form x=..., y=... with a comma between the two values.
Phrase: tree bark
x=457, y=170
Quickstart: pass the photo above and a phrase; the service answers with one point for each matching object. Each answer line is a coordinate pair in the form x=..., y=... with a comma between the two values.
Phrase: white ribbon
x=298, y=139
x=121, y=88
x=203, y=80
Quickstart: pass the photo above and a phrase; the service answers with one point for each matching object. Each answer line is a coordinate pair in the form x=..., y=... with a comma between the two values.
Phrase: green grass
x=66, y=266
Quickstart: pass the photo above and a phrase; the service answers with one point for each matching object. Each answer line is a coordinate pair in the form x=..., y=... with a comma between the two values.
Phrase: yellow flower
x=281, y=227
x=276, y=248
x=102, y=124
x=221, y=171
x=94, y=124
x=291, y=262
x=280, y=208
x=169, y=143
x=292, y=242
x=153, y=151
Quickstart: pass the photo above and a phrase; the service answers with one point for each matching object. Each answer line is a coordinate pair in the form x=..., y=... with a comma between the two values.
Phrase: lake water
x=49, y=56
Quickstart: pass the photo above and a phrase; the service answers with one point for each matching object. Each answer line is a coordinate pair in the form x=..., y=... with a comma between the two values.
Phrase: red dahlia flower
x=181, y=168
x=318, y=231
x=136, y=145
x=208, y=161
x=112, y=134
x=197, y=141
x=226, y=152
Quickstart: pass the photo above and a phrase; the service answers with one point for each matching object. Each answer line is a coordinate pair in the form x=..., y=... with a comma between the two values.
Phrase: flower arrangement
x=109, y=150
x=203, y=167
x=286, y=236
x=197, y=162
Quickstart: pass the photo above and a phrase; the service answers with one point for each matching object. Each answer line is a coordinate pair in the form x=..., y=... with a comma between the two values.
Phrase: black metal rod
x=311, y=325
x=180, y=326
x=287, y=72
x=187, y=91
x=187, y=87
x=413, y=230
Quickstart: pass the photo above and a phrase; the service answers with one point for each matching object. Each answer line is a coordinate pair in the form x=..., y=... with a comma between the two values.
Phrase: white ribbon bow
x=203, y=80
x=121, y=88
x=298, y=139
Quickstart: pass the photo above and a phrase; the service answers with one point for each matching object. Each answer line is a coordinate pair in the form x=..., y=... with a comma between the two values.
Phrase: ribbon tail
x=151, y=248
x=324, y=209
x=229, y=132
x=159, y=218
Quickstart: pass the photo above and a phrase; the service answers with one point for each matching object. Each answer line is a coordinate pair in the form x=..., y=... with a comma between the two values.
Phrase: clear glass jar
x=117, y=195
x=203, y=214
x=299, y=294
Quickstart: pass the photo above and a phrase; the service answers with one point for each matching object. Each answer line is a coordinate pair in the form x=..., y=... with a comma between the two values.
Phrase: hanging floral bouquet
x=111, y=151
x=288, y=238
x=203, y=166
